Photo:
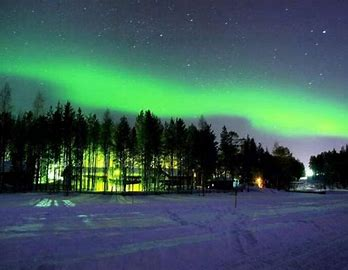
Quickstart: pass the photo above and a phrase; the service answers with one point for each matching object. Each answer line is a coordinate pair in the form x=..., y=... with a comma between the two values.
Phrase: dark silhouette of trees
x=267, y=168
x=6, y=124
x=122, y=147
x=132, y=151
x=249, y=161
x=93, y=138
x=31, y=153
x=174, y=140
x=39, y=140
x=68, y=140
x=169, y=144
x=181, y=136
x=331, y=167
x=207, y=152
x=5, y=99
x=80, y=146
x=19, y=140
x=56, y=141
x=225, y=153
x=106, y=144
x=228, y=153
x=149, y=131
x=191, y=155
x=60, y=149
x=285, y=167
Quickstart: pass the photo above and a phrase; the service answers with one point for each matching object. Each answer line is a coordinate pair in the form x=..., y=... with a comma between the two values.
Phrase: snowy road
x=268, y=230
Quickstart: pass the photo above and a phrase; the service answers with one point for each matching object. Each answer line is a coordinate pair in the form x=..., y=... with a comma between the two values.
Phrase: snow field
x=267, y=230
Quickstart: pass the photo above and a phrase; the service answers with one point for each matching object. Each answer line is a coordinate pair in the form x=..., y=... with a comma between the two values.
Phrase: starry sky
x=273, y=69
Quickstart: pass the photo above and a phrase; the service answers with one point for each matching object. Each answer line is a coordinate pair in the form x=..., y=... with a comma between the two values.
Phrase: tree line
x=64, y=149
x=331, y=167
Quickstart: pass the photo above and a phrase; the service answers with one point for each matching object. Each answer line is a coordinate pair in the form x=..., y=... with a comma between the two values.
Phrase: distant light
x=259, y=182
x=324, y=31
x=309, y=172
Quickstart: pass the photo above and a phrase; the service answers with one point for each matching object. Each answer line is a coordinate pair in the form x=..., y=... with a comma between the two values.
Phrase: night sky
x=276, y=70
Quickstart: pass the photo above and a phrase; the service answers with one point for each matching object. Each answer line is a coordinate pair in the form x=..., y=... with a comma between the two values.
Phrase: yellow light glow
x=134, y=188
x=259, y=182
x=99, y=186
x=117, y=173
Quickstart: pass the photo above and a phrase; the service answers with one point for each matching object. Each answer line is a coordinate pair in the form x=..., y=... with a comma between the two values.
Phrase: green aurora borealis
x=281, y=110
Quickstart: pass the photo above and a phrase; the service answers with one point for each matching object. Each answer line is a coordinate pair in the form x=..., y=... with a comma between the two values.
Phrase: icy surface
x=267, y=230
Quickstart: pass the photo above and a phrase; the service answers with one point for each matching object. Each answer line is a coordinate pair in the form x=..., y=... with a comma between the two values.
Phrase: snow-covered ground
x=267, y=230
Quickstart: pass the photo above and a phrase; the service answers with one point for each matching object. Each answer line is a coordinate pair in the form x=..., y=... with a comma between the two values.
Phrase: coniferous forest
x=331, y=167
x=63, y=149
